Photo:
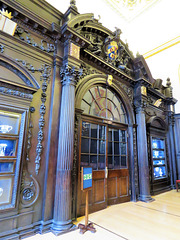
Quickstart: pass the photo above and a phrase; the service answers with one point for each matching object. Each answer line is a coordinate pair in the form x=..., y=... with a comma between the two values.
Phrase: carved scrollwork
x=49, y=46
x=29, y=190
x=24, y=35
x=46, y=71
x=1, y=48
x=86, y=70
x=29, y=66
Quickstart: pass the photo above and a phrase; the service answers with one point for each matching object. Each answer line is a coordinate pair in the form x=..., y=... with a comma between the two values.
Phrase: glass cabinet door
x=159, y=158
x=11, y=129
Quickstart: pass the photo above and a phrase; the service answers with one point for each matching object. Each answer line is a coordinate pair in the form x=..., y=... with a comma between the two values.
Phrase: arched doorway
x=103, y=146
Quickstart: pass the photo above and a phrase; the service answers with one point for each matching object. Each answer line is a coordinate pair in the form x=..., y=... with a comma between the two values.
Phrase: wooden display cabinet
x=11, y=137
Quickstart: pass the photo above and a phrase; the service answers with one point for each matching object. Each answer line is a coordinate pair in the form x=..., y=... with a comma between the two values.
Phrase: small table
x=177, y=181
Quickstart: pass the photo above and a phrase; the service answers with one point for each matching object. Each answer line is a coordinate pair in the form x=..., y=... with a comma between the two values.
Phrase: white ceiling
x=157, y=24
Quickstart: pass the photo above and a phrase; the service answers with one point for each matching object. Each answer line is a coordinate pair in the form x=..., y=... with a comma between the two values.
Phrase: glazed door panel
x=105, y=150
x=93, y=154
x=118, y=172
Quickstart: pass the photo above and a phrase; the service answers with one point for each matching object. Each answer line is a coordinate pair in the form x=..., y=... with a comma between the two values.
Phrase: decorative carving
x=86, y=70
x=171, y=119
x=96, y=43
x=70, y=75
x=128, y=90
x=32, y=110
x=73, y=4
x=135, y=162
x=156, y=102
x=1, y=48
x=48, y=48
x=149, y=156
x=29, y=190
x=8, y=91
x=140, y=106
x=110, y=49
x=149, y=100
x=26, y=36
x=151, y=114
x=74, y=170
x=116, y=52
x=28, y=66
x=45, y=77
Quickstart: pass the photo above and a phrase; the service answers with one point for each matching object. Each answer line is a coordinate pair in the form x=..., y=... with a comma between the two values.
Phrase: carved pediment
x=105, y=44
x=156, y=122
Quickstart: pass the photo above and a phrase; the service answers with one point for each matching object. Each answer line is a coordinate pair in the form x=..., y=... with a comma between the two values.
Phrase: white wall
x=166, y=64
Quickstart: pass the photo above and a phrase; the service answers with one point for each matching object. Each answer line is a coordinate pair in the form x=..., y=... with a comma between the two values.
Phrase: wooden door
x=117, y=164
x=105, y=150
x=93, y=154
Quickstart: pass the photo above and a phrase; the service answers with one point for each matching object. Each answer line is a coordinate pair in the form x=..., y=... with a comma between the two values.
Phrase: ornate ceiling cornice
x=129, y=9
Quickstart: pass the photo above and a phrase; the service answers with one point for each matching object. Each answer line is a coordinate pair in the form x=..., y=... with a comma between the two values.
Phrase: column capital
x=70, y=75
x=140, y=106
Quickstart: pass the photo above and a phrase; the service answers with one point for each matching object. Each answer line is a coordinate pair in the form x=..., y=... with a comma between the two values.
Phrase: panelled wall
x=72, y=94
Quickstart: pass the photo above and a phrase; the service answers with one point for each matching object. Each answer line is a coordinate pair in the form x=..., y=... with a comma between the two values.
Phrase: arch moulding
x=101, y=79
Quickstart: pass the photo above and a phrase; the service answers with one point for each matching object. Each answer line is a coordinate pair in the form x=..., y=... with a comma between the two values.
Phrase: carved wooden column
x=140, y=102
x=132, y=159
x=171, y=132
x=144, y=185
x=173, y=163
x=63, y=200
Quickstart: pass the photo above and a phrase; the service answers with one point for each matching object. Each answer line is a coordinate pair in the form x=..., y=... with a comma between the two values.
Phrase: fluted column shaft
x=63, y=199
x=173, y=163
x=144, y=188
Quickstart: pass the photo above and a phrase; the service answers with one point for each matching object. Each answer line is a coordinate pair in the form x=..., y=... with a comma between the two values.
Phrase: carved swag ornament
x=46, y=71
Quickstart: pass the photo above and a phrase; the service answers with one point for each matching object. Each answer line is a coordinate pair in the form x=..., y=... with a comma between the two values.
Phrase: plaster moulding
x=130, y=9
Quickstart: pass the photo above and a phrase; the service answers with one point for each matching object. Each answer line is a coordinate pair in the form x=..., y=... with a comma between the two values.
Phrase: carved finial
x=73, y=4
x=138, y=54
x=168, y=82
x=117, y=33
x=168, y=90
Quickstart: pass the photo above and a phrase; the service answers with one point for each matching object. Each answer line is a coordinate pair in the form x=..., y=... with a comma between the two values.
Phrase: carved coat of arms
x=112, y=50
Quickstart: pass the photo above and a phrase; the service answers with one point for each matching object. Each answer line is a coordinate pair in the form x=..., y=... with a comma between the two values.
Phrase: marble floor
x=158, y=220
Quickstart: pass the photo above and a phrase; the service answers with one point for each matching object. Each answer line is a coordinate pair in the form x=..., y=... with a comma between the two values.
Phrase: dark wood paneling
x=118, y=186
x=177, y=140
x=99, y=191
x=112, y=187
x=123, y=186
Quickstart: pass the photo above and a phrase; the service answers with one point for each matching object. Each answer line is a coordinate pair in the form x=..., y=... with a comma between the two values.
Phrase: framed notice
x=86, y=178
